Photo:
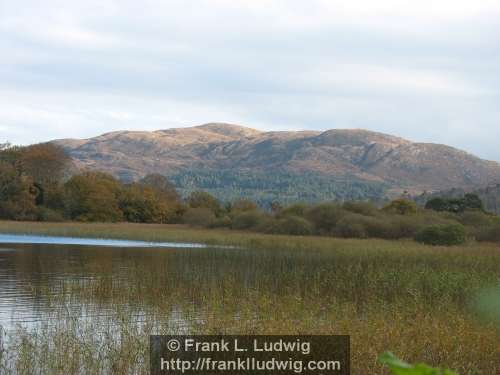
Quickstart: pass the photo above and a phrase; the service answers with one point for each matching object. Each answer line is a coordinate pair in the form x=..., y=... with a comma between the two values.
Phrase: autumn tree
x=161, y=184
x=93, y=196
x=145, y=204
x=202, y=199
x=17, y=198
x=46, y=164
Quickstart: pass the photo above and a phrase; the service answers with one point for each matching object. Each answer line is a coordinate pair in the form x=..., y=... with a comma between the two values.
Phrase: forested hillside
x=284, y=187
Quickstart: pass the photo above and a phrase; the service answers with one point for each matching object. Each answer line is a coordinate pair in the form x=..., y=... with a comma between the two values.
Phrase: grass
x=414, y=300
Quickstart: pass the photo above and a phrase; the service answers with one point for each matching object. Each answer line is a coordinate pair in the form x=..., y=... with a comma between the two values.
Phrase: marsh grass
x=414, y=300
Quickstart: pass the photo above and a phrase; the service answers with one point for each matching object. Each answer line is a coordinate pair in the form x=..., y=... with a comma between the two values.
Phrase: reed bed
x=414, y=300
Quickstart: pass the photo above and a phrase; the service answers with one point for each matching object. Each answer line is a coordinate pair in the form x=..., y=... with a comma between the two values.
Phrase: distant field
x=417, y=301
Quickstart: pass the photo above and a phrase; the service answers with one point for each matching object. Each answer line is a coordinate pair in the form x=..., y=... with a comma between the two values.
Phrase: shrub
x=407, y=226
x=360, y=207
x=243, y=205
x=351, y=226
x=298, y=209
x=442, y=235
x=222, y=222
x=325, y=217
x=382, y=227
x=292, y=225
x=47, y=214
x=490, y=233
x=401, y=207
x=249, y=220
x=199, y=217
x=475, y=218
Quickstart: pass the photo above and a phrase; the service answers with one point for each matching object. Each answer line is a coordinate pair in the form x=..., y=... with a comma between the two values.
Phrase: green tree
x=473, y=202
x=437, y=204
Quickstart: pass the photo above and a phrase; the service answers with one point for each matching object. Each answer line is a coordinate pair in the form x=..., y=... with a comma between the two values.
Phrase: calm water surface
x=90, y=279
x=35, y=272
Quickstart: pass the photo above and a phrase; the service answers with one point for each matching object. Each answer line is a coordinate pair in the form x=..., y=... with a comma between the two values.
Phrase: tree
x=161, y=184
x=144, y=204
x=437, y=204
x=46, y=164
x=93, y=196
x=473, y=202
x=202, y=199
x=456, y=205
x=17, y=198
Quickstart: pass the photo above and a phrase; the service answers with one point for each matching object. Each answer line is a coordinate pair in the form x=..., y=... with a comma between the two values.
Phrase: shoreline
x=178, y=233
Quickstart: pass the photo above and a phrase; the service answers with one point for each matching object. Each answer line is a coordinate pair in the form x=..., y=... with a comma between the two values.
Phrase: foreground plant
x=399, y=367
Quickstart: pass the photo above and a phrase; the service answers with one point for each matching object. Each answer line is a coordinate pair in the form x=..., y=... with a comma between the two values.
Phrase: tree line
x=39, y=182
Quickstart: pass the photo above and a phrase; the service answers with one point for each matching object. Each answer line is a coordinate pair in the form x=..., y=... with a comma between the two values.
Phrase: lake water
x=46, y=279
x=35, y=272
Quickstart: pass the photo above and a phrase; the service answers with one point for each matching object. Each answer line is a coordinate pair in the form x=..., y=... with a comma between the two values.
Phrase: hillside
x=233, y=161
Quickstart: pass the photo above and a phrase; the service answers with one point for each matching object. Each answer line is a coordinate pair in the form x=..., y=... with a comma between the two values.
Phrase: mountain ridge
x=356, y=154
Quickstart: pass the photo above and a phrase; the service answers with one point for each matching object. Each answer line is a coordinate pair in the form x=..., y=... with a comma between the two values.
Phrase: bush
x=47, y=214
x=222, y=222
x=298, y=209
x=199, y=217
x=490, y=233
x=475, y=218
x=292, y=225
x=360, y=207
x=352, y=226
x=407, y=226
x=243, y=205
x=249, y=220
x=442, y=235
x=325, y=217
x=401, y=207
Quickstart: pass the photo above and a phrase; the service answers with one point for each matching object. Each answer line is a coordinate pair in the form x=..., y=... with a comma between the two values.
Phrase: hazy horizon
x=425, y=71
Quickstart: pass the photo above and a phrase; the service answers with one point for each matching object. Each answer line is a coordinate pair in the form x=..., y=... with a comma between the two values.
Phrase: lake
x=78, y=306
x=36, y=269
x=46, y=279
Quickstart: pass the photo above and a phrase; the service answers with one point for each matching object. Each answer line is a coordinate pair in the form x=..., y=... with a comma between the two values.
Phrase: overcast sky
x=427, y=70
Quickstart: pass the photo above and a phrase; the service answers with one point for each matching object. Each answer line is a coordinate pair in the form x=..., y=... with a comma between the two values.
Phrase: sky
x=425, y=70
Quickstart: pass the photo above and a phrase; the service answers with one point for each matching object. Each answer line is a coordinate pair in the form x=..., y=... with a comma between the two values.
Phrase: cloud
x=424, y=70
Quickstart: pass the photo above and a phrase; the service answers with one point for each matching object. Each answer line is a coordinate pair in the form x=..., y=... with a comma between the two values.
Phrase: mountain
x=232, y=161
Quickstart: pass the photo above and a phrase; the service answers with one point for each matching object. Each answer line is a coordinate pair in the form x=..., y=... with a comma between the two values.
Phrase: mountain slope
x=350, y=156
